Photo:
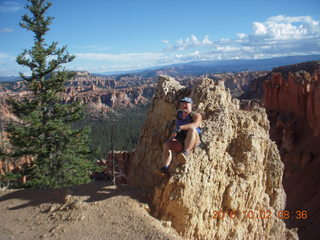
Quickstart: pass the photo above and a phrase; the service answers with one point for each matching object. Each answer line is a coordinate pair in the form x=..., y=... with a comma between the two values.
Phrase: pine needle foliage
x=44, y=128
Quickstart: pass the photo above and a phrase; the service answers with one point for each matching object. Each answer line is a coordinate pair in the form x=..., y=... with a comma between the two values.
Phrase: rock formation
x=238, y=83
x=292, y=100
x=295, y=90
x=230, y=187
x=99, y=94
x=122, y=163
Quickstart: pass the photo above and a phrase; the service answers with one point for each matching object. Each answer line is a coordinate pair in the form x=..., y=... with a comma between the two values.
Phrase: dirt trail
x=92, y=211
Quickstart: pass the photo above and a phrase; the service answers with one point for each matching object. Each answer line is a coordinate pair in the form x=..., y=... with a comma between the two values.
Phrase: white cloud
x=259, y=28
x=206, y=41
x=241, y=35
x=8, y=65
x=93, y=48
x=283, y=27
x=120, y=57
x=6, y=30
x=5, y=56
x=190, y=42
x=277, y=36
x=101, y=62
x=10, y=7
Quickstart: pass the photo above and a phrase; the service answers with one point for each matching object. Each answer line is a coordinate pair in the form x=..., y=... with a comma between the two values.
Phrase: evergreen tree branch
x=44, y=128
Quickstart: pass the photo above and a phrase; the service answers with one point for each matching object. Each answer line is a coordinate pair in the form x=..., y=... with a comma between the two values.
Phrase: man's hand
x=175, y=131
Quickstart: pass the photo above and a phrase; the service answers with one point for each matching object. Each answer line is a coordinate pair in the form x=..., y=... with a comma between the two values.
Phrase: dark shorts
x=181, y=136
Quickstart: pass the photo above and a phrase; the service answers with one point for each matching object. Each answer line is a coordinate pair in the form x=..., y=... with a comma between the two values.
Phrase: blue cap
x=186, y=99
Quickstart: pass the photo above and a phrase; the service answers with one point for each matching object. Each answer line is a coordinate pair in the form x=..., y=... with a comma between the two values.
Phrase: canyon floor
x=91, y=211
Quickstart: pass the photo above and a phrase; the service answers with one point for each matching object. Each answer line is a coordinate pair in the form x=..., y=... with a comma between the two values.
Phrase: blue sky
x=117, y=35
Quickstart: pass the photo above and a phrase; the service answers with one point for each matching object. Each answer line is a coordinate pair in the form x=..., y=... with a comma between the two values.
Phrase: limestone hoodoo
x=231, y=186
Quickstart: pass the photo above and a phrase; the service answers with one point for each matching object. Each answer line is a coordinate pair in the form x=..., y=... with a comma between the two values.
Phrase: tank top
x=180, y=121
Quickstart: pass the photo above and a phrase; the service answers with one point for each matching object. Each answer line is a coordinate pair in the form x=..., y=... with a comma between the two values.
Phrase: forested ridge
x=123, y=126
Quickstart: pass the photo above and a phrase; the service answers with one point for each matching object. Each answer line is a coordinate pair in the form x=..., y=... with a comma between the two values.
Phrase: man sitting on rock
x=186, y=135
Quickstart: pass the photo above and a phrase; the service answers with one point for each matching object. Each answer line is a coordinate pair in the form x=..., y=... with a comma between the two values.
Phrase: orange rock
x=295, y=92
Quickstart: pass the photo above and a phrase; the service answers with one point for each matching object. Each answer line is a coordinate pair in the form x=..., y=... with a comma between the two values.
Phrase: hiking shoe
x=185, y=153
x=182, y=157
x=164, y=171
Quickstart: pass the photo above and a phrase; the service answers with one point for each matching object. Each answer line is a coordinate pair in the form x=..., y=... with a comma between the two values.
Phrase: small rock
x=166, y=223
x=75, y=205
x=145, y=206
x=51, y=209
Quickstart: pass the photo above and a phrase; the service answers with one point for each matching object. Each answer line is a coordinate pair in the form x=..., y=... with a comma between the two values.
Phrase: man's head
x=185, y=104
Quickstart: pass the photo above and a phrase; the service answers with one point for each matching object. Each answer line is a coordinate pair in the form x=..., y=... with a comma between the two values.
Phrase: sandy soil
x=92, y=211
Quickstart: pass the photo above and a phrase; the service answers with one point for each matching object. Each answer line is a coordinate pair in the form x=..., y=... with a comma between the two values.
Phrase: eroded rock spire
x=231, y=186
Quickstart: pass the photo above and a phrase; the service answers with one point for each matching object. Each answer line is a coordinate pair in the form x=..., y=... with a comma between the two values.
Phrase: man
x=186, y=135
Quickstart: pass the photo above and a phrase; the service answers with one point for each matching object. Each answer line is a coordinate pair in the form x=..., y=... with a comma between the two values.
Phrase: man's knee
x=193, y=131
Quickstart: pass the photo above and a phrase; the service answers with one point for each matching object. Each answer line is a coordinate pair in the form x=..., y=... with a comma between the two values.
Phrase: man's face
x=186, y=107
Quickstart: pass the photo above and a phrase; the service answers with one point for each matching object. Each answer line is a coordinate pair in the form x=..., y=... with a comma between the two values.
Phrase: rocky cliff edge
x=230, y=187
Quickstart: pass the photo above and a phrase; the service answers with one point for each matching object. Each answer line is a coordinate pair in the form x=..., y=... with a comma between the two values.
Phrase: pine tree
x=45, y=127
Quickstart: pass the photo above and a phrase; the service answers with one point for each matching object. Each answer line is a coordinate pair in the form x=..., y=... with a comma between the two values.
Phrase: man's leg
x=192, y=140
x=170, y=146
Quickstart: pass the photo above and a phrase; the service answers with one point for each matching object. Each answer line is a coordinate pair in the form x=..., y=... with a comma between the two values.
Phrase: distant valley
x=114, y=102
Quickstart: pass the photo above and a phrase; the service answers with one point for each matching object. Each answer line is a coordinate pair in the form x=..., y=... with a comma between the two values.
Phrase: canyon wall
x=292, y=100
x=295, y=89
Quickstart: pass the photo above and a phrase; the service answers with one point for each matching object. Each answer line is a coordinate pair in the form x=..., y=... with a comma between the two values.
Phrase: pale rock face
x=237, y=168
